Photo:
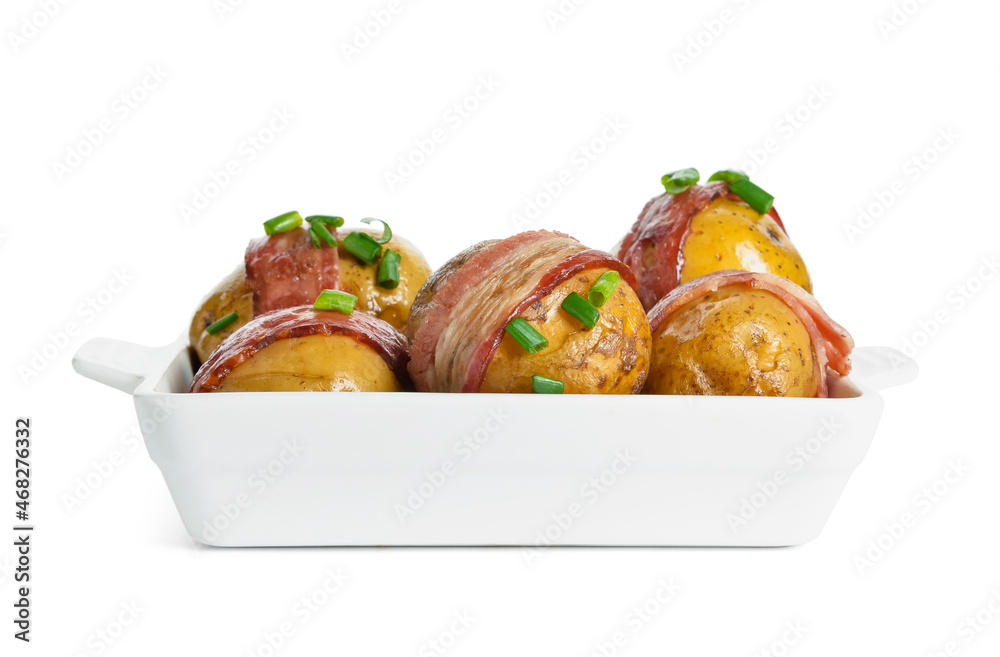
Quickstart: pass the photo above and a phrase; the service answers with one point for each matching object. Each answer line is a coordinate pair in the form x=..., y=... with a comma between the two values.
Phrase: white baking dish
x=309, y=468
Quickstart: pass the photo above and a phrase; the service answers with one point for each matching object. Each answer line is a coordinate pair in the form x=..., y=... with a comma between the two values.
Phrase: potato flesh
x=611, y=358
x=392, y=306
x=735, y=341
x=233, y=294
x=730, y=235
x=323, y=363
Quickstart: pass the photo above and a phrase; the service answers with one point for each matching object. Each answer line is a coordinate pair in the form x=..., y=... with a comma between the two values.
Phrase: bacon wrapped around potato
x=504, y=316
x=288, y=269
x=304, y=349
x=680, y=236
x=743, y=333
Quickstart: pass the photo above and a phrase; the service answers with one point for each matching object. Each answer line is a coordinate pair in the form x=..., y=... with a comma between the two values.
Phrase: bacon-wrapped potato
x=706, y=228
x=287, y=269
x=304, y=349
x=458, y=323
x=743, y=333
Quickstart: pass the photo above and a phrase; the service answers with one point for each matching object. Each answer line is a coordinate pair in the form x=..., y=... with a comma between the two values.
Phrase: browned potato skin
x=611, y=358
x=322, y=363
x=392, y=306
x=734, y=341
x=731, y=235
x=233, y=294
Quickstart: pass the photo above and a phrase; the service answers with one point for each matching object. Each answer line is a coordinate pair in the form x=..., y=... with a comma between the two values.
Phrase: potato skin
x=325, y=363
x=734, y=341
x=729, y=234
x=233, y=294
x=611, y=358
x=358, y=278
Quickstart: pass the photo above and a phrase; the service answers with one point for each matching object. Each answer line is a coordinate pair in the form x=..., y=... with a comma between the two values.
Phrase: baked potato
x=304, y=349
x=470, y=323
x=287, y=269
x=743, y=333
x=682, y=235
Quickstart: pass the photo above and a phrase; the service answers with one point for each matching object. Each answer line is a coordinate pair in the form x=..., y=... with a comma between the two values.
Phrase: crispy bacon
x=285, y=270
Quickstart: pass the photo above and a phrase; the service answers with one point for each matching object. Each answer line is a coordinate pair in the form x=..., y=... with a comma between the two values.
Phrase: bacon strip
x=464, y=322
x=663, y=226
x=297, y=322
x=832, y=344
x=285, y=270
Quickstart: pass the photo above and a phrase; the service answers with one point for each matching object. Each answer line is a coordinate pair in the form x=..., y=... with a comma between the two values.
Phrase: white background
x=880, y=96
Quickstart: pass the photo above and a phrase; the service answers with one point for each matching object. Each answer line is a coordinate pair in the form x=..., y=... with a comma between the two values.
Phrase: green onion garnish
x=727, y=175
x=363, y=246
x=386, y=231
x=603, y=288
x=388, y=269
x=336, y=222
x=582, y=309
x=314, y=237
x=678, y=181
x=754, y=196
x=335, y=300
x=545, y=386
x=527, y=335
x=323, y=232
x=217, y=326
x=283, y=223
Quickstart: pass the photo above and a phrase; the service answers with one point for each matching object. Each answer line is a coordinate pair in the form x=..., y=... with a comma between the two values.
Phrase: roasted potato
x=680, y=236
x=744, y=333
x=304, y=349
x=611, y=358
x=729, y=234
x=232, y=295
x=236, y=294
x=461, y=321
x=358, y=278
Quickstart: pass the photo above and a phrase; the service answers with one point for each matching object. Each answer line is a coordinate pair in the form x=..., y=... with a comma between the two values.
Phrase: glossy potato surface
x=731, y=235
x=358, y=278
x=326, y=363
x=734, y=341
x=611, y=358
x=233, y=294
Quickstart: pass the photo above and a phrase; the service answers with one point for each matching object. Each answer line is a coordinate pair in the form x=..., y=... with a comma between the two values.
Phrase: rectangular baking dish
x=310, y=469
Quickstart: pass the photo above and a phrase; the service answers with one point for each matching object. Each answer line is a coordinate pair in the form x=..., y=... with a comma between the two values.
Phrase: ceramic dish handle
x=114, y=363
x=882, y=367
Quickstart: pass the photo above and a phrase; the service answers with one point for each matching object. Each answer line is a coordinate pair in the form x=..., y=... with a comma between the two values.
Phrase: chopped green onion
x=388, y=269
x=603, y=288
x=678, y=181
x=727, y=175
x=386, y=231
x=283, y=223
x=546, y=386
x=322, y=231
x=314, y=237
x=219, y=325
x=363, y=246
x=582, y=309
x=335, y=300
x=527, y=335
x=336, y=222
x=754, y=196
